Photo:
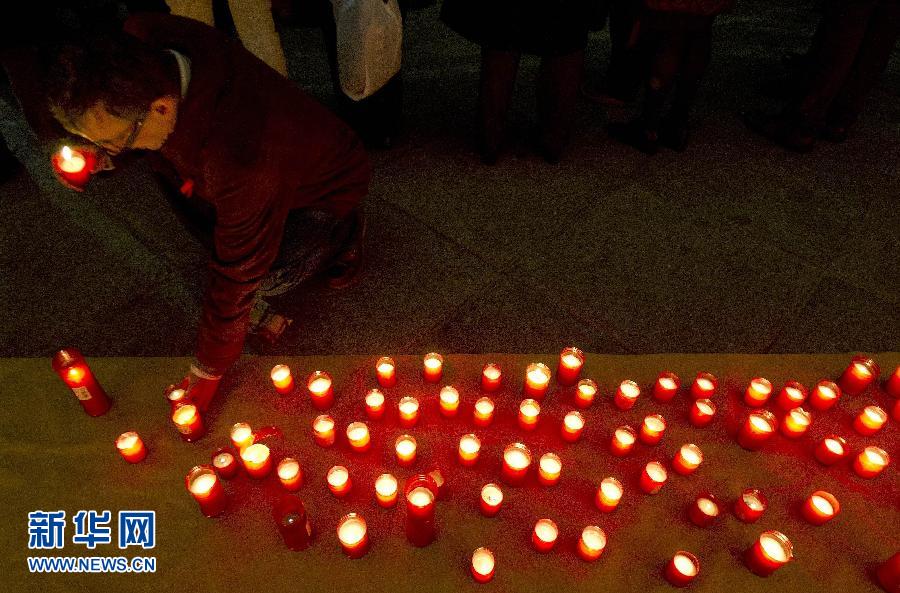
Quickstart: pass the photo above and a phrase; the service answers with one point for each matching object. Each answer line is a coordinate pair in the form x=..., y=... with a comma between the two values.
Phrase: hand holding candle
x=74, y=166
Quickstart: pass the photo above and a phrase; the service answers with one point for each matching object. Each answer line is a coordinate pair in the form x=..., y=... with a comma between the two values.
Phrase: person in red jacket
x=262, y=157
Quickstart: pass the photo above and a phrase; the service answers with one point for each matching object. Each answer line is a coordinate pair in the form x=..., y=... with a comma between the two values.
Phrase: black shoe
x=634, y=134
x=674, y=135
x=783, y=130
x=345, y=271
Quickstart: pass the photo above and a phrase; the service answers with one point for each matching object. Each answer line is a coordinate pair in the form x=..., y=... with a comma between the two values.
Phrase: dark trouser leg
x=557, y=96
x=627, y=59
x=695, y=60
x=498, y=79
x=667, y=59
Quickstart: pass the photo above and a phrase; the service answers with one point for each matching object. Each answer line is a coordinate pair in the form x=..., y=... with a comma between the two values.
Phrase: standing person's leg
x=557, y=96
x=627, y=63
x=498, y=79
x=695, y=60
x=199, y=10
x=256, y=28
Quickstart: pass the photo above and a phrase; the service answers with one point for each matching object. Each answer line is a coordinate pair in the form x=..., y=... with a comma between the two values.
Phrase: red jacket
x=254, y=146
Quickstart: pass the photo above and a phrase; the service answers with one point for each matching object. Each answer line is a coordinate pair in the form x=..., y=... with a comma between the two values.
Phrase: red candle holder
x=870, y=420
x=831, y=449
x=895, y=413
x=207, y=490
x=704, y=386
x=323, y=430
x=688, y=459
x=339, y=482
x=820, y=507
x=544, y=535
x=585, y=392
x=483, y=413
x=537, y=380
x=705, y=510
x=892, y=385
x=293, y=523
x=449, y=401
x=571, y=360
x=870, y=462
x=241, y=435
x=627, y=395
x=529, y=412
x=432, y=367
x=591, y=543
x=375, y=404
x=176, y=397
x=572, y=427
x=469, y=448
x=666, y=386
x=771, y=551
x=483, y=565
x=888, y=574
x=225, y=464
x=653, y=477
x=320, y=389
x=353, y=535
x=74, y=166
x=702, y=412
x=750, y=505
x=188, y=422
x=408, y=408
x=758, y=428
x=490, y=500
x=859, y=374
x=549, y=469
x=491, y=377
x=421, y=493
x=257, y=461
x=386, y=487
x=71, y=367
x=791, y=396
x=516, y=461
x=358, y=436
x=824, y=395
x=131, y=447
x=282, y=379
x=386, y=372
x=652, y=429
x=289, y=474
x=622, y=441
x=682, y=569
x=405, y=448
x=609, y=493
x=758, y=392
x=795, y=423
x=438, y=476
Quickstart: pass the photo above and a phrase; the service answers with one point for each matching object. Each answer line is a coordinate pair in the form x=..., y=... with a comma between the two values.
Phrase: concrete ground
x=733, y=246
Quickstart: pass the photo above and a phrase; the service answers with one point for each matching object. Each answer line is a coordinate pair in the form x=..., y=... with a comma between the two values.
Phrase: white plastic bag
x=369, y=44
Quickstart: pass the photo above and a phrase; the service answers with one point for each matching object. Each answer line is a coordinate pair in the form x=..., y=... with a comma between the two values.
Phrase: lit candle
x=131, y=447
x=757, y=429
x=572, y=426
x=585, y=392
x=290, y=474
x=544, y=535
x=666, y=386
x=449, y=398
x=405, y=447
x=771, y=551
x=188, y=422
x=358, y=436
x=892, y=385
x=529, y=412
x=549, y=468
x=622, y=441
x=758, y=392
x=795, y=423
x=824, y=395
x=71, y=367
x=484, y=412
x=323, y=430
x=895, y=413
x=282, y=379
x=207, y=490
x=469, y=447
x=831, y=449
x=491, y=499
x=627, y=394
x=859, y=374
x=491, y=376
x=682, y=569
x=653, y=477
x=870, y=420
x=591, y=543
x=704, y=386
x=353, y=535
x=409, y=411
x=74, y=166
x=432, y=367
x=652, y=429
x=688, y=459
x=516, y=460
x=870, y=462
x=537, y=380
x=241, y=435
x=225, y=464
x=571, y=360
x=257, y=460
x=609, y=494
x=339, y=482
x=702, y=412
x=791, y=396
x=421, y=493
x=750, y=505
x=386, y=490
x=375, y=404
x=483, y=565
x=386, y=371
x=820, y=507
x=704, y=511
x=320, y=390
x=293, y=522
x=176, y=397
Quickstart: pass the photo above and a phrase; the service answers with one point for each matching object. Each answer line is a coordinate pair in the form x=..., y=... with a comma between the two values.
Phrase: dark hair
x=119, y=71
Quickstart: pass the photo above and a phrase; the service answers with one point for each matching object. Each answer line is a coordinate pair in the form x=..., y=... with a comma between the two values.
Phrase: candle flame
x=574, y=421
x=280, y=373
x=708, y=507
x=491, y=372
x=420, y=497
x=338, y=476
x=492, y=494
x=655, y=423
x=449, y=395
x=530, y=408
x=611, y=488
x=625, y=435
x=75, y=374
x=834, y=446
x=288, y=469
x=773, y=546
x=685, y=565
x=546, y=530
x=66, y=153
x=593, y=538
x=705, y=384
x=691, y=454
x=656, y=471
x=517, y=456
x=223, y=460
x=320, y=385
x=408, y=406
x=433, y=362
x=405, y=446
x=469, y=444
x=483, y=561
x=127, y=440
x=185, y=414
x=667, y=383
x=323, y=424
x=386, y=485
x=571, y=361
x=550, y=464
x=374, y=399
x=587, y=388
x=629, y=389
x=255, y=454
x=484, y=406
x=352, y=530
x=203, y=482
x=822, y=505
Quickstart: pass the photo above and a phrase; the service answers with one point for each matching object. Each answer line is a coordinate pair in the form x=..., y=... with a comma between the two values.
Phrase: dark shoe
x=634, y=134
x=784, y=131
x=349, y=263
x=674, y=135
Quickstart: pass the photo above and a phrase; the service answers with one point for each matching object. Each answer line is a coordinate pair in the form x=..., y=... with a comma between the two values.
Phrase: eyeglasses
x=111, y=146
